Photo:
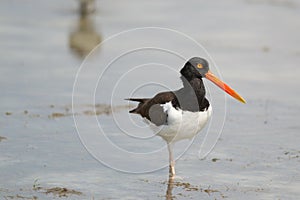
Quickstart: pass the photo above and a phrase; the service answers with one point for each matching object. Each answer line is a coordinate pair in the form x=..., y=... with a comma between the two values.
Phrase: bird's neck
x=195, y=86
x=192, y=95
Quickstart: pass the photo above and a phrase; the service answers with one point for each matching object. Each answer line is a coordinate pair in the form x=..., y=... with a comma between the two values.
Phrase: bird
x=181, y=114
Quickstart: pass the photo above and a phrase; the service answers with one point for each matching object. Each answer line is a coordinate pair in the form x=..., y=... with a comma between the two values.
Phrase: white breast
x=180, y=124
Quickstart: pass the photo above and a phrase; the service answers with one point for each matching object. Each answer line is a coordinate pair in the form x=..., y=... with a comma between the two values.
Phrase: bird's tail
x=137, y=99
x=141, y=102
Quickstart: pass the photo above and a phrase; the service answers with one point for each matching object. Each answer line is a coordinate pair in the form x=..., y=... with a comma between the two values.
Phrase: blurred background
x=254, y=43
x=45, y=41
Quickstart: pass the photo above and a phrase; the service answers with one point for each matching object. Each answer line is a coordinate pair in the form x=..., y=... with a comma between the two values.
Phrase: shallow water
x=254, y=48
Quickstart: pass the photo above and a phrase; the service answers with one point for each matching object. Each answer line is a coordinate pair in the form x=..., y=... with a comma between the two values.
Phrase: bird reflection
x=169, y=195
x=85, y=37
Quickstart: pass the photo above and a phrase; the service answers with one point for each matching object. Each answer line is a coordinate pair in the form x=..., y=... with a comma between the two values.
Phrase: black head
x=195, y=68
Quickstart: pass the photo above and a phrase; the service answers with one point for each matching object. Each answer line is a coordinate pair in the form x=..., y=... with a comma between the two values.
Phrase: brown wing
x=152, y=109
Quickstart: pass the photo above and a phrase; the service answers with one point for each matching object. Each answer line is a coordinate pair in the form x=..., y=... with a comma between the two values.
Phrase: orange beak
x=210, y=76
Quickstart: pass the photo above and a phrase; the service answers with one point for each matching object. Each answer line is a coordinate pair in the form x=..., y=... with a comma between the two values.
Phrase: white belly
x=181, y=124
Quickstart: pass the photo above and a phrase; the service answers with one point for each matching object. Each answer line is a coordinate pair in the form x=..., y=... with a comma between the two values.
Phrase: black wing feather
x=152, y=109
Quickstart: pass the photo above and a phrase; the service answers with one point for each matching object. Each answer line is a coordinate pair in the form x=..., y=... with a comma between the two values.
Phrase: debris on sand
x=20, y=197
x=209, y=191
x=57, y=115
x=215, y=159
x=100, y=109
x=292, y=154
x=87, y=110
x=2, y=138
x=56, y=191
x=61, y=192
x=186, y=186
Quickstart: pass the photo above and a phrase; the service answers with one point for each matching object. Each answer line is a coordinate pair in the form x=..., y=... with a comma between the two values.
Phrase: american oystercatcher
x=181, y=114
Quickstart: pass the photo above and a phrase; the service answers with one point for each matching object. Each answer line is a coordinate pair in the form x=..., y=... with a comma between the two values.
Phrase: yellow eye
x=200, y=66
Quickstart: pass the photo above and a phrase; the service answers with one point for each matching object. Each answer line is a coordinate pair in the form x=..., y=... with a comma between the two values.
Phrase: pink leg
x=171, y=161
